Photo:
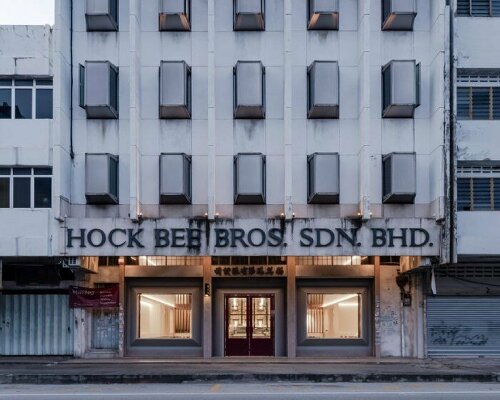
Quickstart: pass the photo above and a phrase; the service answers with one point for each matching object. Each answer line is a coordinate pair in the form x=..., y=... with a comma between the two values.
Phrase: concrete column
x=135, y=116
x=121, y=310
x=211, y=110
x=207, y=308
x=288, y=109
x=291, y=308
x=365, y=121
x=377, y=285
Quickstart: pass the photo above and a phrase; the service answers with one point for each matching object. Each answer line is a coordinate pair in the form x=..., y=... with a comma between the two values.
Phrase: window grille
x=469, y=271
x=331, y=260
x=478, y=186
x=252, y=260
x=162, y=261
x=480, y=103
x=478, y=8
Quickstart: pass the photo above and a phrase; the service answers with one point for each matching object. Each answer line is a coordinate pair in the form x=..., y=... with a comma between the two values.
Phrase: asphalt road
x=258, y=391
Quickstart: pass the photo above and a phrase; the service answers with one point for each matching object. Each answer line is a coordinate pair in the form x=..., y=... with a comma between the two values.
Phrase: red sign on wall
x=80, y=297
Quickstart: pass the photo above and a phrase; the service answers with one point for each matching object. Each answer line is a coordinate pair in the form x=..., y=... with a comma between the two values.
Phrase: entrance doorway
x=249, y=325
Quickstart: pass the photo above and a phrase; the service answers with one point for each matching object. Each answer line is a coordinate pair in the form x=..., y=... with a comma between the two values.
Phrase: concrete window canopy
x=249, y=15
x=175, y=90
x=323, y=89
x=399, y=177
x=323, y=15
x=175, y=15
x=400, y=88
x=101, y=15
x=101, y=178
x=175, y=178
x=323, y=178
x=249, y=90
x=250, y=178
x=99, y=89
x=398, y=15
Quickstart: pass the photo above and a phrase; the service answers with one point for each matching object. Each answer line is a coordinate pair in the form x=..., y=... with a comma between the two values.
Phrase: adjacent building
x=254, y=178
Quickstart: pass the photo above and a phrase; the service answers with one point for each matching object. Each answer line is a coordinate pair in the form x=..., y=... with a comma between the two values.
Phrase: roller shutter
x=463, y=326
x=35, y=325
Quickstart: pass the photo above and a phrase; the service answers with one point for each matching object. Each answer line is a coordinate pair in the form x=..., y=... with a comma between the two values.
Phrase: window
x=175, y=179
x=478, y=103
x=25, y=187
x=323, y=15
x=250, y=178
x=175, y=90
x=99, y=89
x=323, y=89
x=323, y=178
x=478, y=187
x=101, y=15
x=175, y=15
x=400, y=88
x=399, y=177
x=165, y=316
x=478, y=8
x=333, y=316
x=26, y=98
x=249, y=90
x=249, y=15
x=398, y=15
x=101, y=178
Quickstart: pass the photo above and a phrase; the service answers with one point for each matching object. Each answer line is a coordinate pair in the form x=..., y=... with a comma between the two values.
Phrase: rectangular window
x=25, y=187
x=43, y=192
x=478, y=187
x=333, y=316
x=26, y=98
x=22, y=192
x=44, y=103
x=165, y=316
x=5, y=103
x=4, y=192
x=478, y=8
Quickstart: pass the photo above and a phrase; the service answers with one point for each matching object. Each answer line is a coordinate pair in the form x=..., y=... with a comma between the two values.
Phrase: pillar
x=207, y=308
x=291, y=307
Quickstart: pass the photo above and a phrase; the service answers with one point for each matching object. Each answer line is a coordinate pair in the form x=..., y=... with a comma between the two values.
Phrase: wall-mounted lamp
x=207, y=290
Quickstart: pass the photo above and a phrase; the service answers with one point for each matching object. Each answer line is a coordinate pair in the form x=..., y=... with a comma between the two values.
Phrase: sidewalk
x=127, y=370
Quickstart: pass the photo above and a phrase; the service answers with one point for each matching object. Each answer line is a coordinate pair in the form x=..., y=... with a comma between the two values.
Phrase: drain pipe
x=71, y=151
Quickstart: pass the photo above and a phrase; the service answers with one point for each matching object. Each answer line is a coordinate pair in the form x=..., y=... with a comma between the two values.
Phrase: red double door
x=249, y=325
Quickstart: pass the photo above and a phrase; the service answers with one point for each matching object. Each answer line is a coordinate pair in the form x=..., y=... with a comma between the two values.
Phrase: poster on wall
x=80, y=297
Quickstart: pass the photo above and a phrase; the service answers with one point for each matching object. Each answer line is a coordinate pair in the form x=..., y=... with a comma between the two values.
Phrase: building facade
x=256, y=178
x=463, y=307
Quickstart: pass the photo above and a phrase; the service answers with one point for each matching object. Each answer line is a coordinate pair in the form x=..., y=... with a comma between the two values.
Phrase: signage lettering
x=225, y=238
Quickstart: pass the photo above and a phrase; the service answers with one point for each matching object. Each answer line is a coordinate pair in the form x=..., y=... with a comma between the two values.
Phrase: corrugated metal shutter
x=105, y=329
x=459, y=326
x=35, y=324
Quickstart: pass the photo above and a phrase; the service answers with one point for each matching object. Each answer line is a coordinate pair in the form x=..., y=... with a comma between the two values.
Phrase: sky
x=26, y=12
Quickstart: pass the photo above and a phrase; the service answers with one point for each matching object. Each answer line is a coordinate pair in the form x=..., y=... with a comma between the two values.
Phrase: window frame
x=470, y=173
x=32, y=176
x=33, y=87
x=470, y=13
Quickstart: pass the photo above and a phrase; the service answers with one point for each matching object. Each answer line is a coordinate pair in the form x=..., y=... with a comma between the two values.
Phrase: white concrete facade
x=212, y=137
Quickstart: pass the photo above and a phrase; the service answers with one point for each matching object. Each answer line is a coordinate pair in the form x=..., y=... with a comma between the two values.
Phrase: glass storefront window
x=333, y=316
x=165, y=316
